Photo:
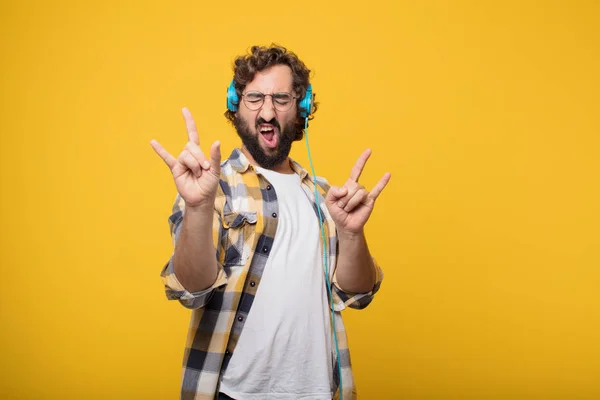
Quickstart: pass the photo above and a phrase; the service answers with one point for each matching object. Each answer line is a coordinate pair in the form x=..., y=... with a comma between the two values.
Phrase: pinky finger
x=164, y=154
x=380, y=186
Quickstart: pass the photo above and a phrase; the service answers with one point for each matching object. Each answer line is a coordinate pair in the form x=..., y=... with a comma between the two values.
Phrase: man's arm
x=197, y=181
x=194, y=260
x=350, y=207
x=355, y=269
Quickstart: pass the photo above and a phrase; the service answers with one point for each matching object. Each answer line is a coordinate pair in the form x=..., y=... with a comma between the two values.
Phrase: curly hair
x=260, y=58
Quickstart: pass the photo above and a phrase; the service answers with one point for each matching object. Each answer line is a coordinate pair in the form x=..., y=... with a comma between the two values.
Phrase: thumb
x=215, y=158
x=335, y=193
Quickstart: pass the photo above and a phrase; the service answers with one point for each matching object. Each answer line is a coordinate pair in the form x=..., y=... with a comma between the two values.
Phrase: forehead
x=277, y=78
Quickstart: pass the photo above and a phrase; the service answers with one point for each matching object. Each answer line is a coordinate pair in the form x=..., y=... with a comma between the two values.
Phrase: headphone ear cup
x=306, y=103
x=232, y=97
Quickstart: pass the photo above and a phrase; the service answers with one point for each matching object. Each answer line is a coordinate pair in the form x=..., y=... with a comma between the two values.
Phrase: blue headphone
x=305, y=104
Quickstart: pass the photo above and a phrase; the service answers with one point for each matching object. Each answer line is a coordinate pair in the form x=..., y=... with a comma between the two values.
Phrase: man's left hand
x=351, y=205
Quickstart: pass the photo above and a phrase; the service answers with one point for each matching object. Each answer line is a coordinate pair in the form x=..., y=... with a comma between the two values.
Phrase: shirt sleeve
x=343, y=299
x=174, y=290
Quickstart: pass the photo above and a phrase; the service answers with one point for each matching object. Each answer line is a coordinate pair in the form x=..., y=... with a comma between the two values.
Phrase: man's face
x=268, y=132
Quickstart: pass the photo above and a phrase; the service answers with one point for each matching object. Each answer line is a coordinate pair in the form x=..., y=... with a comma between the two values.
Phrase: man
x=265, y=279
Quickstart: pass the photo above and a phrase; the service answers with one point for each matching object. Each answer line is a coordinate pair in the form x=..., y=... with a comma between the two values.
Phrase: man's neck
x=284, y=168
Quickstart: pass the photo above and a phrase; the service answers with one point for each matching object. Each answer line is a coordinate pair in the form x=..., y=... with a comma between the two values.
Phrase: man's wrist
x=200, y=215
x=202, y=208
x=350, y=235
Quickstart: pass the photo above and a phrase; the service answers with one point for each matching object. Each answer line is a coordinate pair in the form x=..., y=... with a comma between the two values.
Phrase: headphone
x=305, y=104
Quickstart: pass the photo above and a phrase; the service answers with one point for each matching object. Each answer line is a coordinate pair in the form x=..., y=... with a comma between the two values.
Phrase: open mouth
x=269, y=134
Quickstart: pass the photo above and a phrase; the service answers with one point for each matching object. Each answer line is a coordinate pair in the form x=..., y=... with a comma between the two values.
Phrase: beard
x=251, y=141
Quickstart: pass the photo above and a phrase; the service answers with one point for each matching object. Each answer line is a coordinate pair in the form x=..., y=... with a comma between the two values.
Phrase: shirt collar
x=240, y=163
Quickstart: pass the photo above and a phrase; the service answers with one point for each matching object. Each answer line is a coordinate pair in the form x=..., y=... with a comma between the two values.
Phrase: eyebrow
x=275, y=91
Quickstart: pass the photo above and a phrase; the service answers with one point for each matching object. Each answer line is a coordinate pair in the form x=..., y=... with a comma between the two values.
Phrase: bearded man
x=265, y=255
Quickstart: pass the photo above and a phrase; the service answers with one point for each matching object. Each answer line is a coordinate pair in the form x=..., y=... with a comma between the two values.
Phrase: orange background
x=485, y=113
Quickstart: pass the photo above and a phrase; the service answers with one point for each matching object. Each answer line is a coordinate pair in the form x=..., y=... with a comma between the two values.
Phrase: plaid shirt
x=243, y=230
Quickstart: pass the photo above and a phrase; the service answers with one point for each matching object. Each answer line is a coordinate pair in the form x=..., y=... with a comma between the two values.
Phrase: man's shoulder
x=323, y=183
x=235, y=162
x=299, y=169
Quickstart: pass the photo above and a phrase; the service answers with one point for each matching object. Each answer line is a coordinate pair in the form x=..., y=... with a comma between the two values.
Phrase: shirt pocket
x=239, y=232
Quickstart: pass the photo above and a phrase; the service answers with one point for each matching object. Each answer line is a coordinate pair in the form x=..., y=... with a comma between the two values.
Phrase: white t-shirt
x=284, y=350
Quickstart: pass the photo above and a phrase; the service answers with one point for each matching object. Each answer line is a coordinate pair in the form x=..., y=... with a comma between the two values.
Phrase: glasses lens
x=283, y=101
x=253, y=100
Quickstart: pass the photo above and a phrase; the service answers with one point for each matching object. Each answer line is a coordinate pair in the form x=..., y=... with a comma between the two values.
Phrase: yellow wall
x=486, y=115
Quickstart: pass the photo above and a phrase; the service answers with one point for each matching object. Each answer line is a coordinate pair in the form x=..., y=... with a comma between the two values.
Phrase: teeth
x=266, y=129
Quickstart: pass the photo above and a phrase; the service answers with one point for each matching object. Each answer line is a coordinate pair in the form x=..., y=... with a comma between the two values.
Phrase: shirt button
x=240, y=318
x=265, y=249
x=268, y=187
x=274, y=215
x=227, y=352
x=252, y=283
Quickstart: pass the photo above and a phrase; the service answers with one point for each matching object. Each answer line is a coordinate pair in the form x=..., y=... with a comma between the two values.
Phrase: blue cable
x=325, y=260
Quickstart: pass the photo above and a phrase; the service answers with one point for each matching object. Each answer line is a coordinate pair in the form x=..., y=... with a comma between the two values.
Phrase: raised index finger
x=191, y=126
x=360, y=164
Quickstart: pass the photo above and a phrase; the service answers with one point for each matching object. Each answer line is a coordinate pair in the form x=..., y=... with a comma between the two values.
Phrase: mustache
x=273, y=122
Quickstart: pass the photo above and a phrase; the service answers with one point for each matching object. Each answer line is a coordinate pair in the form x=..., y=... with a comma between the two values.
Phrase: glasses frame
x=253, y=107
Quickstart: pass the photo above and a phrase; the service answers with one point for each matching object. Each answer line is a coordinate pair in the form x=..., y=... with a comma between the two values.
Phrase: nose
x=267, y=111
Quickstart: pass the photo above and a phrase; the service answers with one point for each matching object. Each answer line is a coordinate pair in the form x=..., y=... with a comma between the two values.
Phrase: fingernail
x=206, y=164
x=340, y=204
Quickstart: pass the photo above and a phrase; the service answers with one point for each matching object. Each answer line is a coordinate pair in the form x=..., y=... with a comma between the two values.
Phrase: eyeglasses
x=281, y=101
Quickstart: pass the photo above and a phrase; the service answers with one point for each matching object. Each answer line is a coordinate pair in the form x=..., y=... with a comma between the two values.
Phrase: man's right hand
x=196, y=177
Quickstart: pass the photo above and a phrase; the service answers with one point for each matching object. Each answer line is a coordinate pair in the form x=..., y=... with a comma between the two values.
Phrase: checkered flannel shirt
x=243, y=230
